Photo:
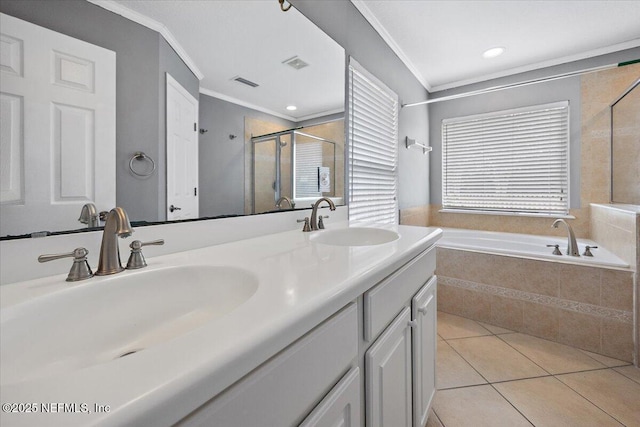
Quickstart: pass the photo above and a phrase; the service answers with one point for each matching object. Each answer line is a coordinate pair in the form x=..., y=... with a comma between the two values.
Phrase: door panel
x=58, y=128
x=182, y=152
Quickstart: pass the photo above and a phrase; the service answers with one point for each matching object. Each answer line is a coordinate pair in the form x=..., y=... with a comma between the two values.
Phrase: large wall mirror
x=269, y=112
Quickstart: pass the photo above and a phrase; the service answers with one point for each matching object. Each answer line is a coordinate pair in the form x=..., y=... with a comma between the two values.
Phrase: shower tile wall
x=586, y=307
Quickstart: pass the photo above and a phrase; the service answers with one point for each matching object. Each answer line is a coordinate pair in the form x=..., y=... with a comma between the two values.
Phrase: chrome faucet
x=89, y=215
x=116, y=225
x=285, y=199
x=572, y=245
x=314, y=211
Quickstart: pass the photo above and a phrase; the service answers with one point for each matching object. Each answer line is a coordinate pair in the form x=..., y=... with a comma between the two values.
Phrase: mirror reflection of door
x=182, y=152
x=58, y=128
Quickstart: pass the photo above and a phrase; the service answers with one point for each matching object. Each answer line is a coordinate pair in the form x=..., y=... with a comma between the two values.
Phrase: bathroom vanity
x=322, y=328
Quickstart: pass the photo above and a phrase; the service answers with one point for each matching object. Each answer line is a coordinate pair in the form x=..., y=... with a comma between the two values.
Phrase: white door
x=58, y=128
x=423, y=307
x=388, y=375
x=182, y=152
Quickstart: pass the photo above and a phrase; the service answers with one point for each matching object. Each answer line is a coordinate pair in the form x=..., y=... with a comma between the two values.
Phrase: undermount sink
x=356, y=236
x=103, y=320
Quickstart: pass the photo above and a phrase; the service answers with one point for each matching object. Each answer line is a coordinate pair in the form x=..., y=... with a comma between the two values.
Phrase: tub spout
x=572, y=245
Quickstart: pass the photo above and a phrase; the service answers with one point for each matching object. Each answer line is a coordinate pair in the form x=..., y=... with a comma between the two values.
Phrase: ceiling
x=220, y=40
x=442, y=41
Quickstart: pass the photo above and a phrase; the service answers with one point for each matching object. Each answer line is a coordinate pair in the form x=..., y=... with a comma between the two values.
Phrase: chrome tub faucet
x=572, y=245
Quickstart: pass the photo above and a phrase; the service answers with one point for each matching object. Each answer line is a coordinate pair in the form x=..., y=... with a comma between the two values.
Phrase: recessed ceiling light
x=493, y=52
x=292, y=107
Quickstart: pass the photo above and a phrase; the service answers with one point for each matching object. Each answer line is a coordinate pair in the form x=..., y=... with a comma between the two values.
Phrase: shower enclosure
x=625, y=147
x=293, y=164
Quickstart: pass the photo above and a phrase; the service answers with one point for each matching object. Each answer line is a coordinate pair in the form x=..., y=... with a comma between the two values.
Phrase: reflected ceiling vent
x=295, y=62
x=245, y=81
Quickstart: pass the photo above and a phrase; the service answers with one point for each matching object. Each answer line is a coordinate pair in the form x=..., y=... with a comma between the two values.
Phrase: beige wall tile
x=453, y=371
x=418, y=216
x=617, y=289
x=552, y=357
x=579, y=330
x=541, y=277
x=617, y=340
x=548, y=402
x=577, y=283
x=540, y=320
x=495, y=360
x=506, y=312
x=479, y=406
x=476, y=305
x=622, y=399
x=450, y=299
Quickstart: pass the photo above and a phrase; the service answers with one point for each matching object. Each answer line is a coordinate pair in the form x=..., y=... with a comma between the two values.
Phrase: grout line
x=615, y=366
x=625, y=375
x=437, y=416
x=525, y=356
x=512, y=405
x=468, y=363
x=589, y=400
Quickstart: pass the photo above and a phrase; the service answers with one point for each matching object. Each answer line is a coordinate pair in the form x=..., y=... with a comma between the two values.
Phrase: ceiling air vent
x=295, y=62
x=245, y=81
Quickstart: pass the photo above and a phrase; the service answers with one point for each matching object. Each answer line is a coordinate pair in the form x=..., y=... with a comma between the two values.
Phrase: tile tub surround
x=586, y=307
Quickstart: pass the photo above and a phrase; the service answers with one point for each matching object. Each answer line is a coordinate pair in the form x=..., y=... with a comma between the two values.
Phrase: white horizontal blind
x=508, y=161
x=308, y=157
x=373, y=162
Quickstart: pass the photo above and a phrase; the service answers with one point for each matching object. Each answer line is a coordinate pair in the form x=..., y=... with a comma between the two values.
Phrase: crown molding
x=540, y=65
x=379, y=28
x=152, y=24
x=246, y=104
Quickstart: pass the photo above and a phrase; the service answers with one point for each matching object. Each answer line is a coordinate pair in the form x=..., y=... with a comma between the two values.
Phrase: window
x=373, y=148
x=514, y=161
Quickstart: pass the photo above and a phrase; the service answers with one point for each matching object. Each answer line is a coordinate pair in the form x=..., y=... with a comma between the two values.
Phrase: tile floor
x=490, y=376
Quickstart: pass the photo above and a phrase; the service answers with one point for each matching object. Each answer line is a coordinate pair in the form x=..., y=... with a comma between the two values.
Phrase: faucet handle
x=306, y=228
x=556, y=251
x=321, y=222
x=80, y=269
x=136, y=259
x=587, y=250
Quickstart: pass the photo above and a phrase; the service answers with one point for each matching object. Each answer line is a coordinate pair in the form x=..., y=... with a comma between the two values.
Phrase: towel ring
x=139, y=155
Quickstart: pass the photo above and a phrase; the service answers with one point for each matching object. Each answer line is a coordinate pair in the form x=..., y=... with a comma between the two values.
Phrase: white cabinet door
x=423, y=306
x=388, y=375
x=341, y=407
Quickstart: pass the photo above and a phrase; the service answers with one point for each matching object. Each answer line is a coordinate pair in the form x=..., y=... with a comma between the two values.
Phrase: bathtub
x=526, y=246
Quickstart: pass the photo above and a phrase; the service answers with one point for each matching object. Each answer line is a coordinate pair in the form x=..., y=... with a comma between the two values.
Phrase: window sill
x=499, y=213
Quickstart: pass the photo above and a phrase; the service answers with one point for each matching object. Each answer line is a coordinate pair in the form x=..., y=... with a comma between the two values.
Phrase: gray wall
x=344, y=23
x=221, y=168
x=142, y=56
x=541, y=93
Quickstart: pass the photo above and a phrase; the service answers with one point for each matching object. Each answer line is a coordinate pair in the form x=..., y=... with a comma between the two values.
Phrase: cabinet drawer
x=282, y=391
x=385, y=300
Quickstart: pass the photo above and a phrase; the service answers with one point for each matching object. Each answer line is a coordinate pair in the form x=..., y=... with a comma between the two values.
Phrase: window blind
x=508, y=161
x=373, y=150
x=308, y=157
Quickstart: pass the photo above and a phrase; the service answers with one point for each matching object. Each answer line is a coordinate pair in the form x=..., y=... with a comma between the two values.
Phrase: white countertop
x=301, y=284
